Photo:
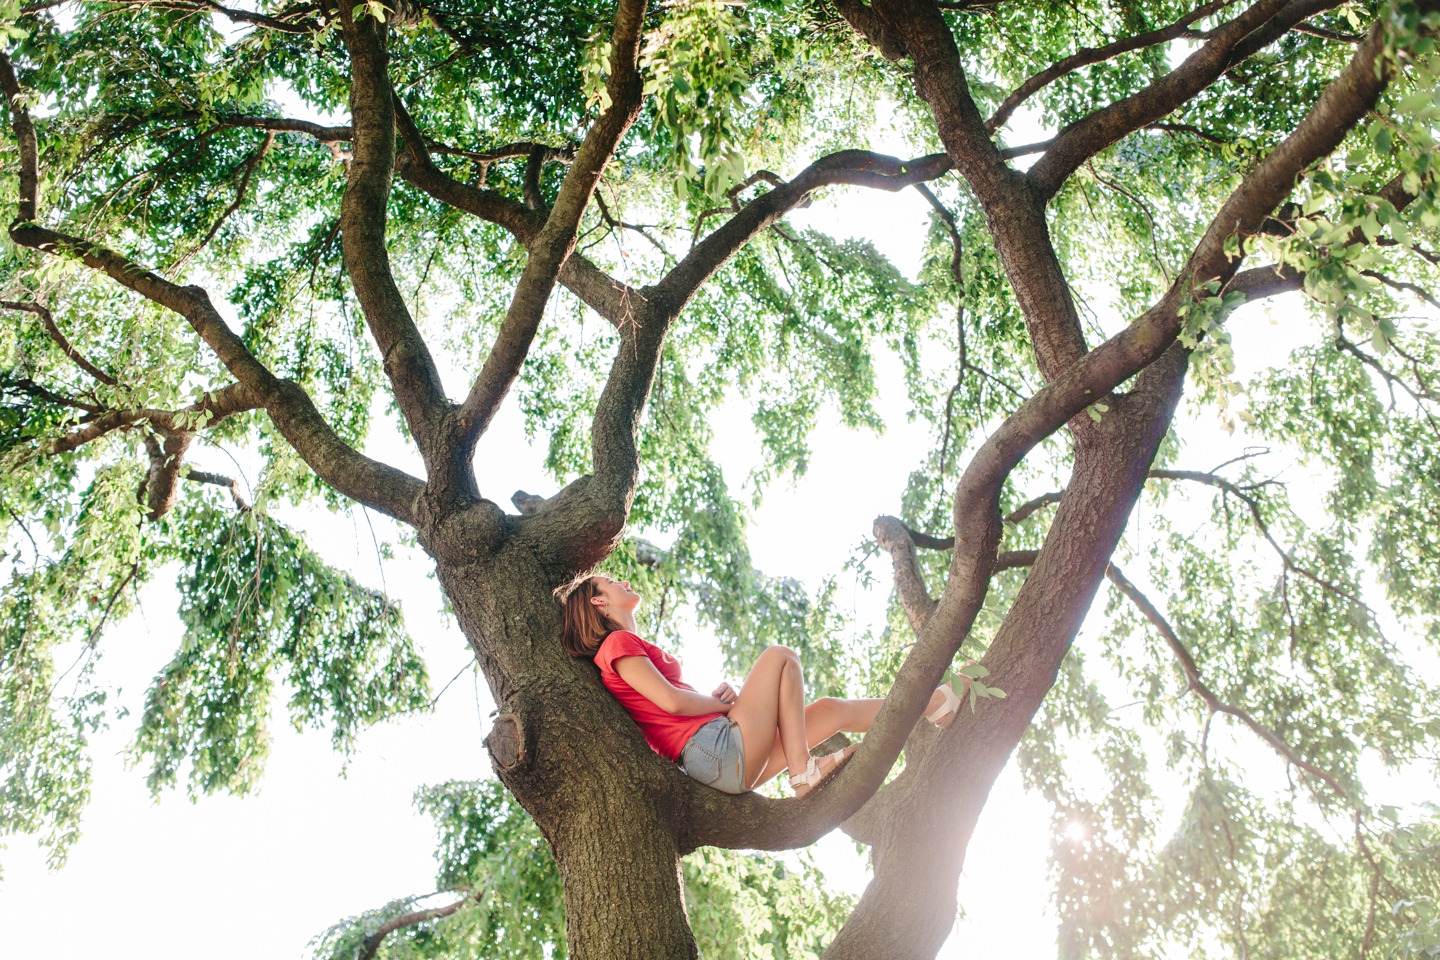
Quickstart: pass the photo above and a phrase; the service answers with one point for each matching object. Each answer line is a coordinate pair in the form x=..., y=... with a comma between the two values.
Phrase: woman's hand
x=725, y=694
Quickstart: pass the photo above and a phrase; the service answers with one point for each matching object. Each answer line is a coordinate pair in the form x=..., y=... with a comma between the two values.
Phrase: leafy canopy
x=1301, y=582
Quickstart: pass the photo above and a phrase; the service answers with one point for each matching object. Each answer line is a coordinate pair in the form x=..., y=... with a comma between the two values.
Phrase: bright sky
x=262, y=875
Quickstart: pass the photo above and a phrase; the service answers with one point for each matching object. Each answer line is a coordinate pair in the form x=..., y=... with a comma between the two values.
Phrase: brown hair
x=585, y=626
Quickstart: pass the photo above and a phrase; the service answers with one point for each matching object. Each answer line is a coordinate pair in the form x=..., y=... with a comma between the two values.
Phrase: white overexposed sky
x=238, y=878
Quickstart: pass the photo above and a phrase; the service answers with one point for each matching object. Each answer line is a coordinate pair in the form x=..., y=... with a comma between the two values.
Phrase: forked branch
x=860, y=168
x=215, y=406
x=601, y=292
x=580, y=526
x=556, y=239
x=1093, y=133
x=744, y=821
x=1211, y=479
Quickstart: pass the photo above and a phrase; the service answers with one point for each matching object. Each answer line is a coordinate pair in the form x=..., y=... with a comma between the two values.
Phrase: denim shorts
x=715, y=756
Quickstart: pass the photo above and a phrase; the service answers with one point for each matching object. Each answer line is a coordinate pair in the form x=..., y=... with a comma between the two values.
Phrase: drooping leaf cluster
x=260, y=607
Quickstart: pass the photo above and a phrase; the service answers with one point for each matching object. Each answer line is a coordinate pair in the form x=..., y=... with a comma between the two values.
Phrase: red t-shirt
x=667, y=733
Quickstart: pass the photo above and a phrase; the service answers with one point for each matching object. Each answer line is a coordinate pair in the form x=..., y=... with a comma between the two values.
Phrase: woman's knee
x=781, y=653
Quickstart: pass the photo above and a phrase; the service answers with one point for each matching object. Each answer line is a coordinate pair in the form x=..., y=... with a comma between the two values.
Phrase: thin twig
x=1145, y=209
x=1235, y=490
x=1404, y=286
x=957, y=271
x=616, y=223
x=250, y=164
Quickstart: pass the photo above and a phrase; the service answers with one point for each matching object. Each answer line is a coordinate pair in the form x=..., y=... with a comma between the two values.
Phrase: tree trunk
x=575, y=761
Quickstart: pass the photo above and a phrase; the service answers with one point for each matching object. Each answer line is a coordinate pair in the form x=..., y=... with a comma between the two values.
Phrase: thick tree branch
x=581, y=525
x=212, y=408
x=219, y=480
x=48, y=321
x=1014, y=211
x=1290, y=16
x=162, y=480
x=894, y=537
x=1258, y=283
x=860, y=168
x=319, y=131
x=935, y=802
x=294, y=414
x=872, y=27
x=1029, y=507
x=285, y=22
x=408, y=364
x=1086, y=56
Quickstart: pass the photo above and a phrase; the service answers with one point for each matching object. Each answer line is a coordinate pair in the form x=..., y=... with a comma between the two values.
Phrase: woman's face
x=614, y=596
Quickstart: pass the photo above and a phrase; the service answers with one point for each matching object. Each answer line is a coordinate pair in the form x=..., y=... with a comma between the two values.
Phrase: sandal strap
x=951, y=705
x=811, y=775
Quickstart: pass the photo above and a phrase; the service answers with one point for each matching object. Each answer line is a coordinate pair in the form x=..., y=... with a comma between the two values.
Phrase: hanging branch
x=1197, y=686
x=291, y=409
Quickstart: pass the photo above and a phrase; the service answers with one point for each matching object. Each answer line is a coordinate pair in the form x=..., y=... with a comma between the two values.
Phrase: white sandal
x=944, y=715
x=813, y=776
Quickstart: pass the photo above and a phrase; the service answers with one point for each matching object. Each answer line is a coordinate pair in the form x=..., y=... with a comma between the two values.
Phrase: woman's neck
x=626, y=619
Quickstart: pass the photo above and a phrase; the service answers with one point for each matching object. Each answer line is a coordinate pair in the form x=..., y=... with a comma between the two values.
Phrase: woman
x=731, y=740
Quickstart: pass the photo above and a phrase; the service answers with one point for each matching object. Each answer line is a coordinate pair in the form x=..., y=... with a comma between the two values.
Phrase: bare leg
x=771, y=710
x=823, y=719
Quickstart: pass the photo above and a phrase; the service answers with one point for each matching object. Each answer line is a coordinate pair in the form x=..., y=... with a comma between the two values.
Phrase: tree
x=161, y=155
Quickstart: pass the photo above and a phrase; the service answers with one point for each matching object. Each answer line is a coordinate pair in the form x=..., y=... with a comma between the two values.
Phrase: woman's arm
x=641, y=674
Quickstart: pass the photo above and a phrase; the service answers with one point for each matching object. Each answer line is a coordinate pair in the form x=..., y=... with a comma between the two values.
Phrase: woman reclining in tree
x=731, y=740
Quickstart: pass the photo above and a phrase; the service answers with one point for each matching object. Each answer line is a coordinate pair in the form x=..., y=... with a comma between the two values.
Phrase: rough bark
x=602, y=798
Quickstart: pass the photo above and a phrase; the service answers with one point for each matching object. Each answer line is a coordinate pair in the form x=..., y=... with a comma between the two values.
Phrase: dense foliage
x=1291, y=597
